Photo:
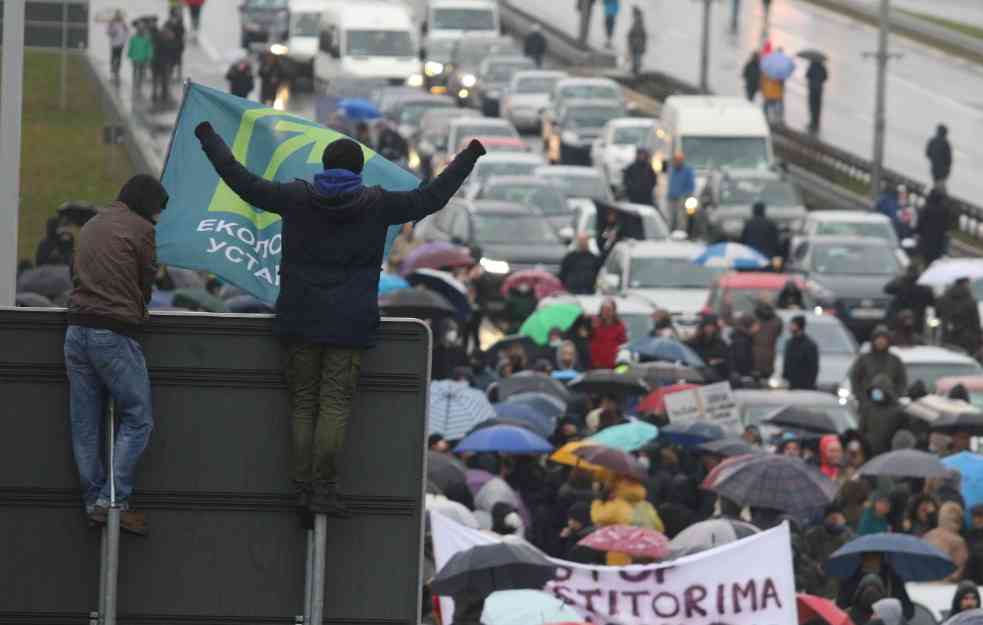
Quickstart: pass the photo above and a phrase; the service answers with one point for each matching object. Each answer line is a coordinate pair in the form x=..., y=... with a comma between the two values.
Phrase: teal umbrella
x=526, y=607
x=627, y=436
x=538, y=325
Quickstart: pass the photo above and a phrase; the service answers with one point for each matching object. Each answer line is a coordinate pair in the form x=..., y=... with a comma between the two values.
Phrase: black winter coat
x=715, y=353
x=939, y=153
x=908, y=295
x=762, y=234
x=578, y=272
x=801, y=363
x=535, y=45
x=333, y=245
x=816, y=75
x=640, y=180
x=637, y=38
x=960, y=318
x=741, y=354
x=933, y=226
x=241, y=82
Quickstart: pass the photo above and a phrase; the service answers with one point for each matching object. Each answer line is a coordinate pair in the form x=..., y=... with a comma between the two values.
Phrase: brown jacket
x=947, y=538
x=114, y=269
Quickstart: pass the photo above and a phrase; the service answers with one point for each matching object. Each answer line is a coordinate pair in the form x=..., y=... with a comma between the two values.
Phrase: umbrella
x=32, y=300
x=811, y=54
x=725, y=469
x=529, y=416
x=913, y=559
x=778, y=65
x=532, y=383
x=944, y=272
x=488, y=423
x=445, y=284
x=389, y=282
x=489, y=490
x=638, y=542
x=615, y=460
x=506, y=439
x=666, y=373
x=543, y=402
x=811, y=606
x=627, y=436
x=247, y=304
x=968, y=422
x=779, y=483
x=606, y=382
x=515, y=341
x=436, y=256
x=415, y=303
x=970, y=467
x=967, y=617
x=357, y=108
x=198, y=299
x=565, y=455
x=655, y=402
x=538, y=325
x=543, y=283
x=445, y=470
x=730, y=256
x=905, y=463
x=801, y=418
x=728, y=447
x=692, y=433
x=525, y=607
x=455, y=408
x=487, y=568
x=47, y=280
x=451, y=509
x=931, y=408
x=657, y=348
x=710, y=534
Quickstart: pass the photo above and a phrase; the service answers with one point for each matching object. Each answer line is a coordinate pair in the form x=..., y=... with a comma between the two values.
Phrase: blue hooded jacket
x=682, y=182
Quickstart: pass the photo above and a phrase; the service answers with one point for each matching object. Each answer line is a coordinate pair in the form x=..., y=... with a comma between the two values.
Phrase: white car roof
x=708, y=115
x=662, y=249
x=632, y=122
x=568, y=170
x=848, y=216
x=463, y=4
x=539, y=73
x=509, y=157
x=485, y=121
x=592, y=303
x=377, y=15
x=757, y=396
x=930, y=354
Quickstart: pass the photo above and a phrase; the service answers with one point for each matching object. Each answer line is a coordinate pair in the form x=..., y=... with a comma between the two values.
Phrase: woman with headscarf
x=608, y=334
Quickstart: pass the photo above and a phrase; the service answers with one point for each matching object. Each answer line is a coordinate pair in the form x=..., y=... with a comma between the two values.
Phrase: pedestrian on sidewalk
x=118, y=33
x=240, y=77
x=141, y=54
x=939, y=153
x=773, y=92
x=534, y=45
x=114, y=269
x=637, y=39
x=194, y=7
x=271, y=77
x=752, y=76
x=176, y=23
x=334, y=236
x=816, y=76
x=933, y=226
x=611, y=9
x=586, y=9
x=682, y=185
x=165, y=56
x=735, y=12
x=766, y=5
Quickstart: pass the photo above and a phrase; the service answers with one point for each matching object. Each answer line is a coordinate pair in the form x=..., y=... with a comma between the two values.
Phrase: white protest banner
x=713, y=402
x=749, y=582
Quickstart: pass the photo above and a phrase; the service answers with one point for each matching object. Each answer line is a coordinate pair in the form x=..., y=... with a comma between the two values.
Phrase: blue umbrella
x=506, y=439
x=653, y=348
x=389, y=282
x=525, y=413
x=543, y=402
x=730, y=256
x=970, y=466
x=627, y=436
x=357, y=108
x=526, y=607
x=778, y=65
x=692, y=433
x=913, y=559
x=455, y=408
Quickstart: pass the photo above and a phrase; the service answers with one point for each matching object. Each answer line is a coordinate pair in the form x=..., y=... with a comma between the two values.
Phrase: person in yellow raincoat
x=626, y=505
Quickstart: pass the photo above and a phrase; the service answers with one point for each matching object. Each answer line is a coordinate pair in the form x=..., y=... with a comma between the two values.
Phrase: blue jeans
x=102, y=364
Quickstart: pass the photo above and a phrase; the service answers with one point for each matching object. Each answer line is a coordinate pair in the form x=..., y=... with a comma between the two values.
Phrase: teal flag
x=208, y=227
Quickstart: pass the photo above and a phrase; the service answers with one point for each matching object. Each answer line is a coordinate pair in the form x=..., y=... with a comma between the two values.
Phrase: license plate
x=867, y=313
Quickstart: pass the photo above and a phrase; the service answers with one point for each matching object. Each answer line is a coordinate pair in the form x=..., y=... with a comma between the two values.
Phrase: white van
x=717, y=133
x=454, y=19
x=300, y=47
x=366, y=40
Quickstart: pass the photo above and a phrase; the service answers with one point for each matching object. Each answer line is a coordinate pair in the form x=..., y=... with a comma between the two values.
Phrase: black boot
x=325, y=500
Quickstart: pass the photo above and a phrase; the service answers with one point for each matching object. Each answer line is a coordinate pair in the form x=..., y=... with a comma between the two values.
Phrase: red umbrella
x=436, y=255
x=656, y=400
x=724, y=470
x=811, y=606
x=542, y=282
x=639, y=542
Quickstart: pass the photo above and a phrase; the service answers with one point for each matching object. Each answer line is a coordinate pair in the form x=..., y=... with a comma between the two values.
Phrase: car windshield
x=440, y=50
x=485, y=130
x=882, y=230
x=535, y=84
x=472, y=53
x=306, y=24
x=593, y=187
x=669, y=273
x=726, y=152
x=487, y=169
x=462, y=19
x=600, y=92
x=546, y=199
x=379, y=43
x=831, y=338
x=859, y=260
x=747, y=192
x=513, y=229
x=929, y=373
x=411, y=112
x=631, y=135
x=501, y=71
x=745, y=300
x=592, y=117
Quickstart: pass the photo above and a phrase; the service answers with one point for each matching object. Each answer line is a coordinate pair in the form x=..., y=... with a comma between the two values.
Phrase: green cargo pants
x=321, y=381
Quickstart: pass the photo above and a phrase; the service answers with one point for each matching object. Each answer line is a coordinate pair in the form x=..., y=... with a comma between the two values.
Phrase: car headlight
x=777, y=383
x=691, y=204
x=415, y=80
x=279, y=49
x=463, y=93
x=494, y=266
x=469, y=80
x=433, y=68
x=569, y=136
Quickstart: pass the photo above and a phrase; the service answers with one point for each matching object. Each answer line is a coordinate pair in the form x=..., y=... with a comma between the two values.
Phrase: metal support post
x=11, y=103
x=308, y=576
x=64, y=56
x=705, y=49
x=317, y=574
x=880, y=120
x=109, y=566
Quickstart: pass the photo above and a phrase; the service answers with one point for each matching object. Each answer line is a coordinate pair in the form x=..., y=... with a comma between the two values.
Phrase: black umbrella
x=530, y=383
x=604, y=382
x=485, y=569
x=811, y=54
x=905, y=463
x=728, y=447
x=968, y=422
x=445, y=470
x=666, y=374
x=801, y=418
x=529, y=346
x=47, y=280
x=415, y=303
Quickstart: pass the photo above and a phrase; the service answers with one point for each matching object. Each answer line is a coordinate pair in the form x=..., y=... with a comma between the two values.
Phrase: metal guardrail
x=560, y=44
x=45, y=23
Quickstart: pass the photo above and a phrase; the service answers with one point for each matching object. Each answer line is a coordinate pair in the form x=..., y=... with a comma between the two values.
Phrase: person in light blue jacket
x=611, y=8
x=682, y=184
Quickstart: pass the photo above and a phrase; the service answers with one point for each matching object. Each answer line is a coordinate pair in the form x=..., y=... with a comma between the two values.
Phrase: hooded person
x=875, y=517
x=578, y=527
x=873, y=580
x=905, y=333
x=939, y=154
x=831, y=457
x=761, y=233
x=506, y=520
x=334, y=236
x=907, y=294
x=820, y=541
x=966, y=597
x=790, y=297
x=766, y=338
x=933, y=226
x=948, y=538
x=742, y=349
x=888, y=612
x=881, y=415
x=960, y=315
x=800, y=362
x=626, y=505
x=711, y=347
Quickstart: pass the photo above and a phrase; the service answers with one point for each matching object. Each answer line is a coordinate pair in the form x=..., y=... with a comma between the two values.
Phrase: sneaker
x=325, y=500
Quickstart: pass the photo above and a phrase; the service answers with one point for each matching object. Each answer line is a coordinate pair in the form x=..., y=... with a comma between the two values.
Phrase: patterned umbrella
x=724, y=469
x=905, y=463
x=543, y=283
x=615, y=460
x=627, y=436
x=528, y=416
x=913, y=559
x=543, y=402
x=639, y=542
x=730, y=256
x=709, y=534
x=455, y=408
x=780, y=483
x=436, y=256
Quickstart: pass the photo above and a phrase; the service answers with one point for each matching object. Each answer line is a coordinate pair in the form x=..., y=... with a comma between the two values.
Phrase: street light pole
x=705, y=49
x=876, y=170
x=11, y=102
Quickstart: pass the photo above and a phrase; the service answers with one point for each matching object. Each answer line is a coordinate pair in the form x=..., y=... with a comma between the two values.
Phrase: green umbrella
x=627, y=436
x=538, y=325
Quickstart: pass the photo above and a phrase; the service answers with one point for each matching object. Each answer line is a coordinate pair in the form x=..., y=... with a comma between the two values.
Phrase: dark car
x=465, y=64
x=728, y=197
x=847, y=275
x=407, y=111
x=578, y=125
x=264, y=21
x=531, y=191
x=494, y=77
